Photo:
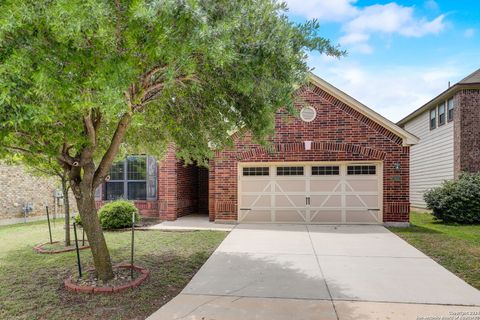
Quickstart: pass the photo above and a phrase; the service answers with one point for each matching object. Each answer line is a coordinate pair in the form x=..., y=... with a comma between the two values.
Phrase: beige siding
x=431, y=160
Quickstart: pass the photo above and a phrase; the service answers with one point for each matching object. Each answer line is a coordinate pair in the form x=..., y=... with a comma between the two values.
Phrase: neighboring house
x=340, y=162
x=19, y=188
x=449, y=130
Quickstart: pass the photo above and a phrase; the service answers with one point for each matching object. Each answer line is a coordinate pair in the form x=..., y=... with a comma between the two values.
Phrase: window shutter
x=152, y=180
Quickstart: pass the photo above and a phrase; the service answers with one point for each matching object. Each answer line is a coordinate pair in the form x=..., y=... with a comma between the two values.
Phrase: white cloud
x=324, y=10
x=470, y=32
x=393, y=18
x=357, y=42
x=353, y=38
x=393, y=91
x=359, y=24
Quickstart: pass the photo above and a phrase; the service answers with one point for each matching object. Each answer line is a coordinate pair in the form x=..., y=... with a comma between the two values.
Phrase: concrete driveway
x=320, y=272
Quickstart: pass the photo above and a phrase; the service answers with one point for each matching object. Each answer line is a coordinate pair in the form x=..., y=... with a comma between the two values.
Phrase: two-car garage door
x=310, y=192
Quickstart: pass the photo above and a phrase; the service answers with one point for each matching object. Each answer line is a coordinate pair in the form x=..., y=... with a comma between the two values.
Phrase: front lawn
x=456, y=247
x=31, y=284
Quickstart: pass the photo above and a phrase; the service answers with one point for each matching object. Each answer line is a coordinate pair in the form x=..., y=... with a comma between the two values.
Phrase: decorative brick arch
x=316, y=146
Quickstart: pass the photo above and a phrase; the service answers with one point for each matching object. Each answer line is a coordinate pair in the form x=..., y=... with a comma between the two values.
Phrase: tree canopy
x=190, y=70
x=83, y=80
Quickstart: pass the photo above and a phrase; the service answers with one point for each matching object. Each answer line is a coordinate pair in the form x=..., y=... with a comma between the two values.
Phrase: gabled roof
x=408, y=138
x=471, y=81
x=472, y=78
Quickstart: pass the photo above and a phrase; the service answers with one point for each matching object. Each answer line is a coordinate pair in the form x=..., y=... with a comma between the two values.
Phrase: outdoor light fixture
x=396, y=165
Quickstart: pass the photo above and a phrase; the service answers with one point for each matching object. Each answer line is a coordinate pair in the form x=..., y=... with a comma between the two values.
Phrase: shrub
x=77, y=219
x=457, y=200
x=115, y=215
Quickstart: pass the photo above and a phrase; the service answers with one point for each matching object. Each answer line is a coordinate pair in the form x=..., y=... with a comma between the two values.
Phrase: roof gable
x=472, y=78
x=469, y=82
x=407, y=138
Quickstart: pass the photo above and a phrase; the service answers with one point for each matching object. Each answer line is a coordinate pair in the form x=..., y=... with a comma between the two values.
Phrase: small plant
x=77, y=220
x=115, y=215
x=457, y=200
x=118, y=214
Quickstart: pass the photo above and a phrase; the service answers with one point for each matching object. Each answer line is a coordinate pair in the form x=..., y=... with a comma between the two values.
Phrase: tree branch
x=97, y=121
x=153, y=90
x=65, y=158
x=112, y=150
x=23, y=150
x=90, y=128
x=147, y=76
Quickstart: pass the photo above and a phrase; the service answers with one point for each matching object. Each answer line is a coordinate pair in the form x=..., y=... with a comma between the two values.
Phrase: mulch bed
x=122, y=280
x=58, y=247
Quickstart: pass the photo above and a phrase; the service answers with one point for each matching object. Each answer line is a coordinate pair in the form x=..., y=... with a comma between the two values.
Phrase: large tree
x=82, y=80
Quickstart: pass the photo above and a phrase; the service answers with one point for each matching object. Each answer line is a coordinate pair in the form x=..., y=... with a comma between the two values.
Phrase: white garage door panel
x=337, y=197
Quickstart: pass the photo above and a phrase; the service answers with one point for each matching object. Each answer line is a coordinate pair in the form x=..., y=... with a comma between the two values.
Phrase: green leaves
x=456, y=200
x=192, y=71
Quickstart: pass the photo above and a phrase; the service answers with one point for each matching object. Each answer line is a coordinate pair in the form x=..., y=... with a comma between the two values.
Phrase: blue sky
x=400, y=54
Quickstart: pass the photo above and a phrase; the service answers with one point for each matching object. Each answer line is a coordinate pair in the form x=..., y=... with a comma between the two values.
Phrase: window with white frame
x=441, y=114
x=128, y=179
x=450, y=109
x=433, y=119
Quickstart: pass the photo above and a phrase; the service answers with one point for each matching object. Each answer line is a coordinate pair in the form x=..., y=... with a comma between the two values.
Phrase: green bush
x=456, y=200
x=115, y=215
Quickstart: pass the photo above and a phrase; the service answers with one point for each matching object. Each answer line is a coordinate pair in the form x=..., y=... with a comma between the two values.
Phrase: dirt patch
x=121, y=276
x=122, y=280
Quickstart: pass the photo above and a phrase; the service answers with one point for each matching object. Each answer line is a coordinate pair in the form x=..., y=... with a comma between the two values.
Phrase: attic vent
x=308, y=114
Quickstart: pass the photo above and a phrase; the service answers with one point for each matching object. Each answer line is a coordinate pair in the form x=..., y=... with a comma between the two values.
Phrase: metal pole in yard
x=133, y=242
x=49, y=228
x=78, y=251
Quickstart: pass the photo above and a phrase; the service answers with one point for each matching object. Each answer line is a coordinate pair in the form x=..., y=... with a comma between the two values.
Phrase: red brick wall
x=181, y=190
x=167, y=186
x=339, y=133
x=178, y=187
x=212, y=194
x=467, y=131
x=146, y=208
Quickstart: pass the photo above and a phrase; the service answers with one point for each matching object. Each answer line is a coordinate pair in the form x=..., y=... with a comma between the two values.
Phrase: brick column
x=167, y=186
x=211, y=191
x=467, y=131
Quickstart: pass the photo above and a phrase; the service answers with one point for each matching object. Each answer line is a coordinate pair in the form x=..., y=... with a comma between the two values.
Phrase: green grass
x=31, y=284
x=456, y=247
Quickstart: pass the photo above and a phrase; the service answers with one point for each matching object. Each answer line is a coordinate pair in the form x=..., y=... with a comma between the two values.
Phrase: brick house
x=338, y=162
x=20, y=187
x=449, y=132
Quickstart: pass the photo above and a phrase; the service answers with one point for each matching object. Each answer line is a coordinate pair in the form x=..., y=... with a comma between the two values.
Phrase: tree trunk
x=85, y=197
x=66, y=210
